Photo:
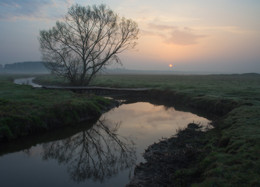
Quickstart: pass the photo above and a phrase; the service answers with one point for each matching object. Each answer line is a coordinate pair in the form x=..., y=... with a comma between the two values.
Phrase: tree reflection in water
x=96, y=153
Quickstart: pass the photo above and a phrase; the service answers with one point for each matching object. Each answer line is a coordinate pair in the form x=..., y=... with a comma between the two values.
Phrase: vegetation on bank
x=230, y=156
x=236, y=87
x=25, y=110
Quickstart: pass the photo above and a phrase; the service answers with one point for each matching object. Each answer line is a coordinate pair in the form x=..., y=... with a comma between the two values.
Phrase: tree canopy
x=85, y=41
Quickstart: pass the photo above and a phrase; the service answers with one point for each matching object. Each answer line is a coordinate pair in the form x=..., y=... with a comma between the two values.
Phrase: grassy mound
x=25, y=110
x=233, y=159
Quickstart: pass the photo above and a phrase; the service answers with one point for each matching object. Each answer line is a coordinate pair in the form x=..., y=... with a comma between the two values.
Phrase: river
x=101, y=153
x=27, y=81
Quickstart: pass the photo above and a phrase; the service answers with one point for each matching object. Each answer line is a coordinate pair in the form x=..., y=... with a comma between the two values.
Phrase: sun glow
x=170, y=65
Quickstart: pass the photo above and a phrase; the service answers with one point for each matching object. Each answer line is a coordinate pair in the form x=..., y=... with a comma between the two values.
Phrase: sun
x=170, y=65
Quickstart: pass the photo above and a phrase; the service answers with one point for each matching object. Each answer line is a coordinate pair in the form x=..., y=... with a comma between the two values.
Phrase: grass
x=25, y=110
x=235, y=158
x=244, y=87
x=232, y=148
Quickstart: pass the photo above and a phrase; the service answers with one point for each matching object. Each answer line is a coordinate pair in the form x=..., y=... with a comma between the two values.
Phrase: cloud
x=173, y=34
x=184, y=37
x=28, y=9
x=230, y=29
x=161, y=27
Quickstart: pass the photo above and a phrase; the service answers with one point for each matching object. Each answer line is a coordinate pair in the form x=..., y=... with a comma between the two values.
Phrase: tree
x=88, y=39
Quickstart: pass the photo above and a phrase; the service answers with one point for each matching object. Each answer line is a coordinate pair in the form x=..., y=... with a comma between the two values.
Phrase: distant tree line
x=24, y=67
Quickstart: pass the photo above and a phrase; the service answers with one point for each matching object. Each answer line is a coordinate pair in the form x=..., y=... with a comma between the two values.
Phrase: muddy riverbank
x=165, y=159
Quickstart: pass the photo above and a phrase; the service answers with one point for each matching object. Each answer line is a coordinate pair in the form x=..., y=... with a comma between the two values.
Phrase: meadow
x=244, y=86
x=25, y=110
x=230, y=156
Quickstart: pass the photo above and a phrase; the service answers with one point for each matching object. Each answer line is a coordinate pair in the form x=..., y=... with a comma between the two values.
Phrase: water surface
x=27, y=81
x=100, y=154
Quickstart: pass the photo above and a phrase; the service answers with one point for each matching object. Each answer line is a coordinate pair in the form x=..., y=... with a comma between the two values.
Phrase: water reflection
x=149, y=123
x=97, y=153
x=27, y=81
x=87, y=154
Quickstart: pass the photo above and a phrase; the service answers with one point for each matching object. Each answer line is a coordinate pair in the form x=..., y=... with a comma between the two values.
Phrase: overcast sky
x=202, y=35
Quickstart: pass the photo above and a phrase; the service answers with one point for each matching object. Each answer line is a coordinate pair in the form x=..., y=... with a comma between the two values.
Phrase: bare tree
x=97, y=153
x=88, y=39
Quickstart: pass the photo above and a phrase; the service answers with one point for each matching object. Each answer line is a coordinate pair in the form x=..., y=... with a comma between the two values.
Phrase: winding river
x=100, y=153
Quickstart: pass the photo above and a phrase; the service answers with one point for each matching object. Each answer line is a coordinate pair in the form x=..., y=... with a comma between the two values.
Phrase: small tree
x=88, y=39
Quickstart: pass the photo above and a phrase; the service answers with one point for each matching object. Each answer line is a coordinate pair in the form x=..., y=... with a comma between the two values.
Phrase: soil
x=163, y=159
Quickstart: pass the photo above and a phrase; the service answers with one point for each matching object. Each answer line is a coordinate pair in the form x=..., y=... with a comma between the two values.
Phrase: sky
x=218, y=36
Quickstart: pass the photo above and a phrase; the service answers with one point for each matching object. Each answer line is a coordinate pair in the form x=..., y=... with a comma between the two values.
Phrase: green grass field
x=232, y=148
x=245, y=87
x=25, y=110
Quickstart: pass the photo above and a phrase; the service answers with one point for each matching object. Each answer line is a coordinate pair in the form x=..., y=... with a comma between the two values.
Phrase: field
x=25, y=110
x=245, y=86
x=231, y=152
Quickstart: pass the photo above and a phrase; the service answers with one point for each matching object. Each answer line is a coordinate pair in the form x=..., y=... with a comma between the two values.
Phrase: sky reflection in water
x=148, y=123
x=103, y=155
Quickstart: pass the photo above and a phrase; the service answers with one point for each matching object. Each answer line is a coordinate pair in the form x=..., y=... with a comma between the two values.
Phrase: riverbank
x=166, y=158
x=25, y=110
x=225, y=156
